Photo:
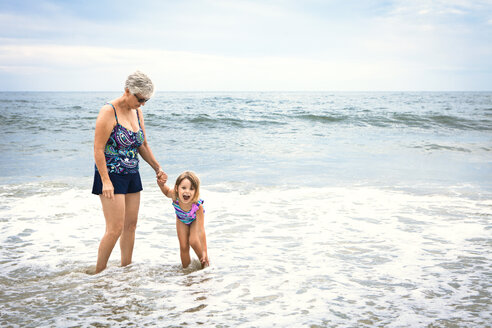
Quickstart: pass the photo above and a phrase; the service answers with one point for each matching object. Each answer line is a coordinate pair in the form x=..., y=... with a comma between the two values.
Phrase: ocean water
x=322, y=210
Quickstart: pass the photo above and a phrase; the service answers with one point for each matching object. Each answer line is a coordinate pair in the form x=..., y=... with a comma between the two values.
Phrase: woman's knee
x=130, y=226
x=115, y=230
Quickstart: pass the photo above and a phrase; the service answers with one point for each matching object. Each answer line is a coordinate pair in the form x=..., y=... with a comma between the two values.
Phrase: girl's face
x=186, y=191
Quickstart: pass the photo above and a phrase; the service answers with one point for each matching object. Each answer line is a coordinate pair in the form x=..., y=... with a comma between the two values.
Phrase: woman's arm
x=146, y=153
x=104, y=125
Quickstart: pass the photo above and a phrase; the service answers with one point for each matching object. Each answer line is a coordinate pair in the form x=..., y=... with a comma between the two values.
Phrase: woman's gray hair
x=139, y=83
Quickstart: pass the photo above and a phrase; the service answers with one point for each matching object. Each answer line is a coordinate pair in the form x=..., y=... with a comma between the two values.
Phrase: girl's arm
x=165, y=189
x=200, y=217
x=146, y=153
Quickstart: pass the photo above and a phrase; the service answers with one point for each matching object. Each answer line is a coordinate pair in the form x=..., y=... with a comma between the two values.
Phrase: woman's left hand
x=161, y=176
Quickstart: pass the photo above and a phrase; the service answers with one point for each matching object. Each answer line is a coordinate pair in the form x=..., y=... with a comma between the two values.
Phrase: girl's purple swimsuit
x=190, y=216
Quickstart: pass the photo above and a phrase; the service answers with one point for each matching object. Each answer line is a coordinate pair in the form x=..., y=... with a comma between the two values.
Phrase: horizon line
x=237, y=91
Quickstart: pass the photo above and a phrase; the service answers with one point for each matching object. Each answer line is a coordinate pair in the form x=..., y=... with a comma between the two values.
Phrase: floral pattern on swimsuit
x=121, y=150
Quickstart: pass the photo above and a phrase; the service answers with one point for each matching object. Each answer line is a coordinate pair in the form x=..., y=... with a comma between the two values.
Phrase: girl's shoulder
x=199, y=204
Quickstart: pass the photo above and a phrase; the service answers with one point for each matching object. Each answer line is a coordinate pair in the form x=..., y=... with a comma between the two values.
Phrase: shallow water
x=360, y=257
x=322, y=210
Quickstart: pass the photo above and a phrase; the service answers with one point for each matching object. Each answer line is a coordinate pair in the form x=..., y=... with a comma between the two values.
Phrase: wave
x=257, y=110
x=323, y=118
x=214, y=120
x=426, y=121
x=431, y=147
x=460, y=123
x=211, y=121
x=23, y=101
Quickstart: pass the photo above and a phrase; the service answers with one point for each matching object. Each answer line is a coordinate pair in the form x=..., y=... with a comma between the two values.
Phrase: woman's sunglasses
x=141, y=100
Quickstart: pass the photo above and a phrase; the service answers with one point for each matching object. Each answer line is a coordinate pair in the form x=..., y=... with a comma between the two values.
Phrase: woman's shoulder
x=107, y=110
x=107, y=117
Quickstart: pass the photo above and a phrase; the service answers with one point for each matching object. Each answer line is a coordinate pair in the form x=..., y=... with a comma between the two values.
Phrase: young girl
x=189, y=216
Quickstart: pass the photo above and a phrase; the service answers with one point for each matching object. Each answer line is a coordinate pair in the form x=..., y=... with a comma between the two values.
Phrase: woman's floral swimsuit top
x=121, y=150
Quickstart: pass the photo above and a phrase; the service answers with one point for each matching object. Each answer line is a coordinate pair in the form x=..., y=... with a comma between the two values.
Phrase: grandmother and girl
x=120, y=137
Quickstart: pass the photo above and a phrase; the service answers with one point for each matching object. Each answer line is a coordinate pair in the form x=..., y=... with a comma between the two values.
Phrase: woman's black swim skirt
x=122, y=183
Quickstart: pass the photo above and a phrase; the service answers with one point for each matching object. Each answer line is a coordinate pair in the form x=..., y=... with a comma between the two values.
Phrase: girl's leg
x=127, y=239
x=183, y=231
x=114, y=213
x=195, y=242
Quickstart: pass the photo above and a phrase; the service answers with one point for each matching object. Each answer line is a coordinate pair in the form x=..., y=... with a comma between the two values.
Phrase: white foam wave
x=356, y=256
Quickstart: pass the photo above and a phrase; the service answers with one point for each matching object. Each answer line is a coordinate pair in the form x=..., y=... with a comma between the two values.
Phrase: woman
x=119, y=138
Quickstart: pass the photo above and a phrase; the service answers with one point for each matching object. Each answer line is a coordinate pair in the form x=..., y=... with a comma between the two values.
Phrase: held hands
x=161, y=177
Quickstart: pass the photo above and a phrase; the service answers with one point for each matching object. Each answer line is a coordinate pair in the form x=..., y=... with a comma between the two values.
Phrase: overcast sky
x=219, y=45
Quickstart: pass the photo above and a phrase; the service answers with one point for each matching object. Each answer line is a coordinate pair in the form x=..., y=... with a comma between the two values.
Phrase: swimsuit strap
x=195, y=207
x=138, y=118
x=193, y=210
x=116, y=116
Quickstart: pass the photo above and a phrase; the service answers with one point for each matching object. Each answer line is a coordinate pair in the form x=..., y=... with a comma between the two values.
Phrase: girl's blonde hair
x=195, y=183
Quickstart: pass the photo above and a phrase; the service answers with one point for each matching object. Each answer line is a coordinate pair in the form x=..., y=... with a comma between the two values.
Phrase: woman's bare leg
x=114, y=214
x=127, y=239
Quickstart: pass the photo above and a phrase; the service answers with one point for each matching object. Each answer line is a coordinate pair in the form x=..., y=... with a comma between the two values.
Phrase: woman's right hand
x=108, y=190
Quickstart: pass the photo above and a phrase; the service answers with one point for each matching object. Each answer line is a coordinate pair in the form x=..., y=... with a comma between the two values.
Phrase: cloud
x=249, y=45
x=175, y=70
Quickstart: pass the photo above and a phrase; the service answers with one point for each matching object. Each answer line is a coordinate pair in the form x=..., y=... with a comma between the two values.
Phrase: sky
x=239, y=45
